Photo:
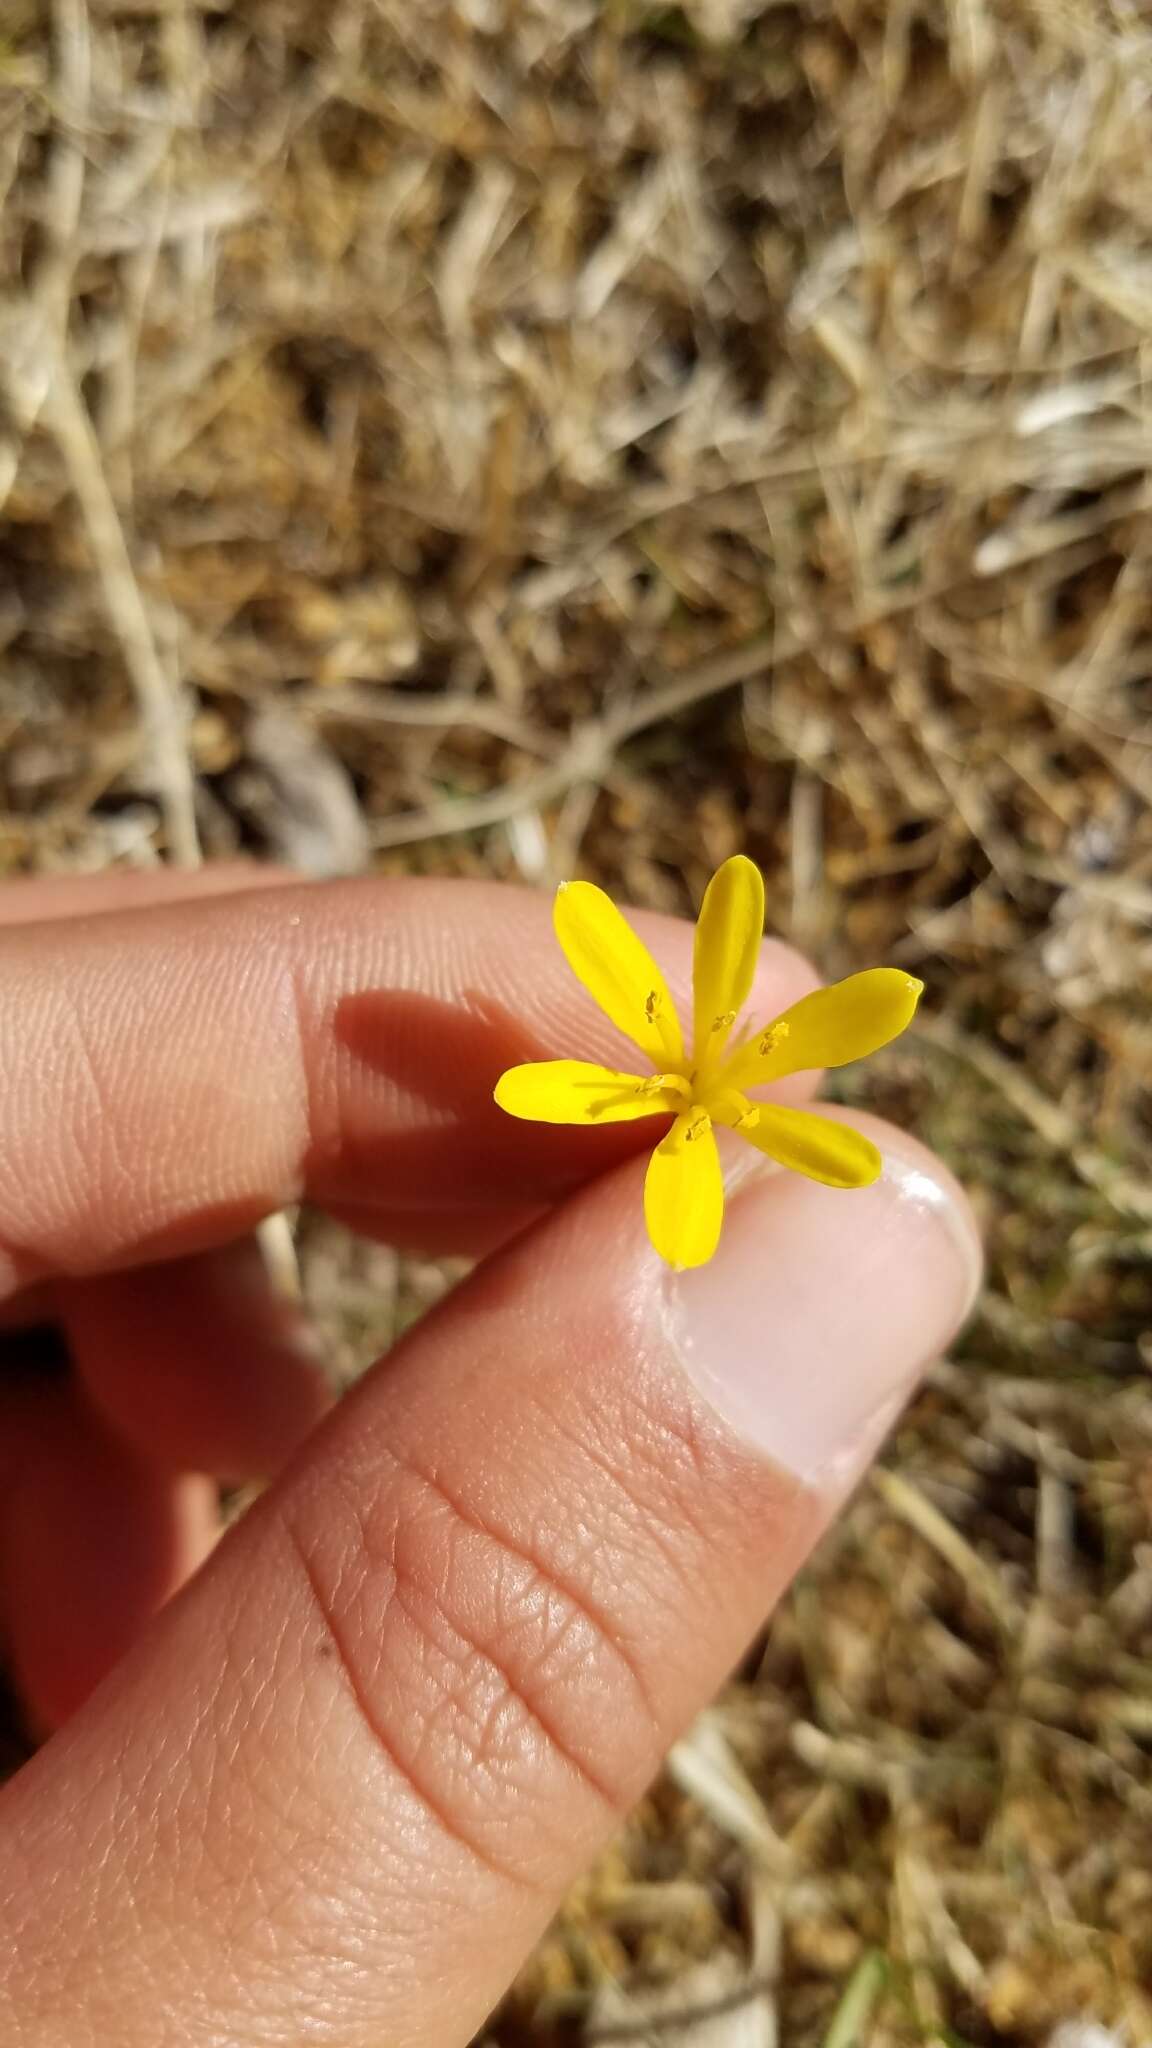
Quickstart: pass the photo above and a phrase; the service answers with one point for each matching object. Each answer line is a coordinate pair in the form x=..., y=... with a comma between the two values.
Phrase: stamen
x=651, y=1005
x=729, y=1106
x=724, y=1021
x=700, y=1123
x=774, y=1036
x=664, y=1084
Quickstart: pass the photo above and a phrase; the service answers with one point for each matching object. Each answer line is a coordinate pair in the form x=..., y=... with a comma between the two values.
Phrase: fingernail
x=810, y=1327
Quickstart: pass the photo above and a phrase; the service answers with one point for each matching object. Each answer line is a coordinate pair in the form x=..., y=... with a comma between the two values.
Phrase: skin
x=335, y=1786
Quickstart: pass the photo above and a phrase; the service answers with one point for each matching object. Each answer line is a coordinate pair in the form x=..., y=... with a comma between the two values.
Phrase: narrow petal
x=813, y=1145
x=575, y=1092
x=728, y=934
x=829, y=1028
x=684, y=1193
x=618, y=971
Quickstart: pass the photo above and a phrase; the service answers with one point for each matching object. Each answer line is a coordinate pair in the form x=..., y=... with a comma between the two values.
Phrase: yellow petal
x=574, y=1092
x=684, y=1193
x=830, y=1027
x=728, y=934
x=618, y=971
x=813, y=1145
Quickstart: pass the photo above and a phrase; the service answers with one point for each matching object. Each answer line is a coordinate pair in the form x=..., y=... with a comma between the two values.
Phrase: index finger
x=36, y=899
x=169, y=1077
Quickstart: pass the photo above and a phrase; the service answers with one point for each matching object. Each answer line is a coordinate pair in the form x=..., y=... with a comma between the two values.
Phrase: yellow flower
x=684, y=1188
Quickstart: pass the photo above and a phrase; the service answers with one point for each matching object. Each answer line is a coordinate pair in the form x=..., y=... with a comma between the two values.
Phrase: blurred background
x=529, y=437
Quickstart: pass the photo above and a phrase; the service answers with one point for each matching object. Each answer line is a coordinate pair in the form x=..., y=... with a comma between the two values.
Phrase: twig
x=703, y=1766
x=585, y=760
x=917, y=1510
x=1058, y=1130
x=159, y=709
x=589, y=755
x=849, y=2027
x=423, y=708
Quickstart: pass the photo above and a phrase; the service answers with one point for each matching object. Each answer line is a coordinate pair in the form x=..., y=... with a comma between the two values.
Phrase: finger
x=93, y=1539
x=29, y=1310
x=197, y=1362
x=359, y=1760
x=36, y=899
x=446, y=1232
x=169, y=1077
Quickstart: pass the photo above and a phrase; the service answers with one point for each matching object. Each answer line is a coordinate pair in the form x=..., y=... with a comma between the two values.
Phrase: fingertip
x=810, y=1329
x=922, y=1182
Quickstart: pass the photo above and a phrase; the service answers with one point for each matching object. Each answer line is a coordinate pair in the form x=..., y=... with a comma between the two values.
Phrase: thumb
x=340, y=1787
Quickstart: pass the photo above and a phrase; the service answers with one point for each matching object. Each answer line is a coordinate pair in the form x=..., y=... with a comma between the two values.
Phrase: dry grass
x=519, y=435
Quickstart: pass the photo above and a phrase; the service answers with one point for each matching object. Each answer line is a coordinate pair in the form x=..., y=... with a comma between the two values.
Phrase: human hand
x=336, y=1788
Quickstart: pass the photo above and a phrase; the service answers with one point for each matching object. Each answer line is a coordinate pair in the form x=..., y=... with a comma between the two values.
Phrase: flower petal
x=575, y=1092
x=814, y=1145
x=617, y=970
x=684, y=1193
x=830, y=1027
x=728, y=934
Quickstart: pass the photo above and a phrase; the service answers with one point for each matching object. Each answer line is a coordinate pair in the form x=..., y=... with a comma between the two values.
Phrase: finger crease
x=377, y=1728
x=514, y=1694
x=577, y=1605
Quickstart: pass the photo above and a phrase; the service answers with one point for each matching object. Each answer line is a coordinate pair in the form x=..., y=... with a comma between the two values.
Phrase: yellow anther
x=700, y=1123
x=651, y=1005
x=770, y=1039
x=728, y=1106
x=724, y=1021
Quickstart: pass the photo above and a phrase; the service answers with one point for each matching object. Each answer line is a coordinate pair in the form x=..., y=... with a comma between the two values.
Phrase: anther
x=724, y=1021
x=774, y=1036
x=700, y=1123
x=651, y=1005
